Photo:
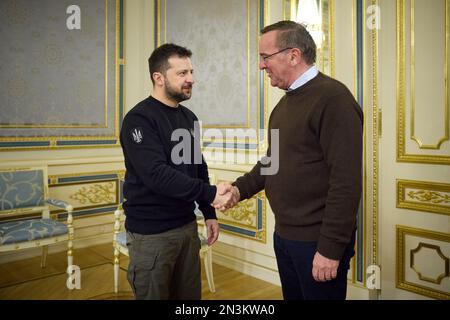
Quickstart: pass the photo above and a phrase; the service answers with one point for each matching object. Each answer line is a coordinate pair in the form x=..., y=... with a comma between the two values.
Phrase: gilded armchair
x=25, y=220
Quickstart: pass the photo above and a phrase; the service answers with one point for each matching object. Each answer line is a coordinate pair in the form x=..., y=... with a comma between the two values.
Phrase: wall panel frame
x=65, y=88
x=411, y=146
x=226, y=99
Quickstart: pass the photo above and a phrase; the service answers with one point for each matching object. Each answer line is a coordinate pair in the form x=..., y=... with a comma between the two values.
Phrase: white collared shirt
x=304, y=78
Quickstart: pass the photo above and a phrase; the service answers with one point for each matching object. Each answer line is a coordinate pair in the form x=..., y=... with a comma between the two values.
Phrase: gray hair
x=294, y=35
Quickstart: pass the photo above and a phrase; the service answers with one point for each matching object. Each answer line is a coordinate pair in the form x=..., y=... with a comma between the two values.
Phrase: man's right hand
x=227, y=196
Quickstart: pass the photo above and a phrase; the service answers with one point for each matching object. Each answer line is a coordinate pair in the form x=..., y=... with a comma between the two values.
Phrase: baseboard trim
x=247, y=268
x=357, y=293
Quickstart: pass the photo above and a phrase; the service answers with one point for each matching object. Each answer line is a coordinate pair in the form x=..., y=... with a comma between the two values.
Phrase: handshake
x=227, y=196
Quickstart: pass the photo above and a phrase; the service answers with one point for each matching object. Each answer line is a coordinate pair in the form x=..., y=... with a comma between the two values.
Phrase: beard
x=177, y=95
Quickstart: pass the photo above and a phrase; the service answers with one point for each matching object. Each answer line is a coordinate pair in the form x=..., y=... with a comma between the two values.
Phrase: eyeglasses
x=265, y=58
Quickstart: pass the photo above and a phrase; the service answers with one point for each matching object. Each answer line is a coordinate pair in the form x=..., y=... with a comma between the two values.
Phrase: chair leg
x=116, y=270
x=44, y=256
x=69, y=256
x=70, y=240
x=209, y=270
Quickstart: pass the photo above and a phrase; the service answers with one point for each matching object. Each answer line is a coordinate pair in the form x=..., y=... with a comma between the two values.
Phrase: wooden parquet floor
x=26, y=280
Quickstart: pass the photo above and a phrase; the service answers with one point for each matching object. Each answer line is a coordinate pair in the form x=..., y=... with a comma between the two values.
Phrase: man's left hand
x=324, y=269
x=212, y=230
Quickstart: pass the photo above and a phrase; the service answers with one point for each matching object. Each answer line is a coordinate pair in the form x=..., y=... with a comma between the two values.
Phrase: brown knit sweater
x=316, y=192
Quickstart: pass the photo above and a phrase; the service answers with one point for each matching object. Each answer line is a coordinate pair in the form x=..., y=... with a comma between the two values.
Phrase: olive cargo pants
x=165, y=266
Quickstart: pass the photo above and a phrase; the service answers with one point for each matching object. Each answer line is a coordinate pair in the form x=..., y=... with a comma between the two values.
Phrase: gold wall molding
x=248, y=216
x=256, y=83
x=423, y=196
x=437, y=249
x=54, y=53
x=56, y=177
x=429, y=196
x=375, y=132
x=445, y=138
x=401, y=281
x=96, y=194
x=87, y=194
x=112, y=111
x=326, y=7
x=253, y=10
x=91, y=193
x=331, y=18
x=402, y=155
x=244, y=213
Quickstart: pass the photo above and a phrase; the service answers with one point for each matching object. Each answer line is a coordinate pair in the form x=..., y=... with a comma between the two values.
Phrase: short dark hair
x=159, y=59
x=294, y=35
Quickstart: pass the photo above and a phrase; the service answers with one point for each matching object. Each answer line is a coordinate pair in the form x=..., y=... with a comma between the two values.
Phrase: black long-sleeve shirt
x=159, y=192
x=316, y=192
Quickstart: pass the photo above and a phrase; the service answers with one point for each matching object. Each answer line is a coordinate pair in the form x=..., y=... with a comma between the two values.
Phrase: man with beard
x=161, y=185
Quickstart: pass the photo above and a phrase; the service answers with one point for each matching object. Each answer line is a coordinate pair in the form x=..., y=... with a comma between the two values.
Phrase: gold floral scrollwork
x=244, y=212
x=429, y=196
x=95, y=194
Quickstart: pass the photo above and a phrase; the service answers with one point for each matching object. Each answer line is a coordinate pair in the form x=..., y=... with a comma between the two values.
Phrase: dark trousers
x=165, y=265
x=294, y=259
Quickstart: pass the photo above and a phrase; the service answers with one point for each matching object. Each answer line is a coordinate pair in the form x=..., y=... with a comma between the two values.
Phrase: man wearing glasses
x=316, y=192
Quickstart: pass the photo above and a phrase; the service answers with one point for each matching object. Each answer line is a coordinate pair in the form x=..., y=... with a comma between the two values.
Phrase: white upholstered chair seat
x=29, y=230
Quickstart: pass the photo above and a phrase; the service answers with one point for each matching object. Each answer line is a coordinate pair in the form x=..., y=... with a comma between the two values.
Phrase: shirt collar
x=304, y=78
